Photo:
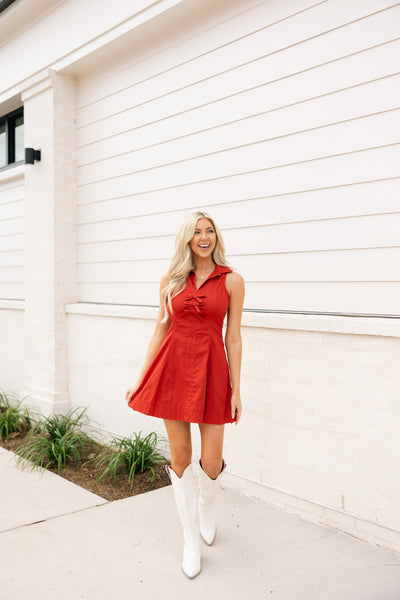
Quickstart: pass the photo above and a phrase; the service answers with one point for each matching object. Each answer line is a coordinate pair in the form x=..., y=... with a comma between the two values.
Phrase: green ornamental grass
x=129, y=455
x=13, y=418
x=54, y=440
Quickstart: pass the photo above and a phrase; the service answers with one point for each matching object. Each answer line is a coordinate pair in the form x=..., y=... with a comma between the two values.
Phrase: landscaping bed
x=85, y=471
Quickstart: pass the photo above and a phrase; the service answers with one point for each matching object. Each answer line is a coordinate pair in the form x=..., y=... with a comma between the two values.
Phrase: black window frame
x=5, y=4
x=9, y=121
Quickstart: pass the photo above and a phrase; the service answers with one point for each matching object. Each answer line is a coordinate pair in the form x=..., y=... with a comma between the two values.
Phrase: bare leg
x=180, y=443
x=212, y=441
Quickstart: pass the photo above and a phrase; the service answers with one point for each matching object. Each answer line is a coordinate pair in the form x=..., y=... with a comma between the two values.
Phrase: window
x=12, y=138
x=5, y=4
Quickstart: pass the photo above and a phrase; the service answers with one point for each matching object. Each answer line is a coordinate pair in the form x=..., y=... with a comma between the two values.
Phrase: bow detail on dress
x=195, y=303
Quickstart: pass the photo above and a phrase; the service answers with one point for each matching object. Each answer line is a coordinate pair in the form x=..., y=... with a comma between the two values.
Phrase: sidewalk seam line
x=54, y=517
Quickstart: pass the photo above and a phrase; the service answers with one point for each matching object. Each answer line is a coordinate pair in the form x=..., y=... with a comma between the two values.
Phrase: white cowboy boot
x=208, y=489
x=186, y=498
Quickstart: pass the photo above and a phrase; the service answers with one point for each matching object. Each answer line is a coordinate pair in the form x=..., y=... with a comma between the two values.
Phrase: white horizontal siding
x=220, y=26
x=305, y=40
x=153, y=217
x=365, y=264
x=12, y=257
x=148, y=166
x=282, y=121
x=127, y=131
x=380, y=230
x=176, y=137
x=311, y=62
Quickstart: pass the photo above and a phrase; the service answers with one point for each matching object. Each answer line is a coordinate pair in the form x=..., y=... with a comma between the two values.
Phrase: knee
x=212, y=466
x=181, y=457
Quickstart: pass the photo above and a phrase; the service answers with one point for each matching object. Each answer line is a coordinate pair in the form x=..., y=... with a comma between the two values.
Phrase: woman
x=186, y=377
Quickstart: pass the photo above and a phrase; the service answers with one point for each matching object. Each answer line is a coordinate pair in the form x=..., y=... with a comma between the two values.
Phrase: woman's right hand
x=130, y=391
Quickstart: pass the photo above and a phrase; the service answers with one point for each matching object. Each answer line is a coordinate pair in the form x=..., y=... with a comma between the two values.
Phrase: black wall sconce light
x=31, y=155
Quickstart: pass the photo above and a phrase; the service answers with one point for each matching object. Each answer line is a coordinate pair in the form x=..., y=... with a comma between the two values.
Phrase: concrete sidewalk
x=84, y=547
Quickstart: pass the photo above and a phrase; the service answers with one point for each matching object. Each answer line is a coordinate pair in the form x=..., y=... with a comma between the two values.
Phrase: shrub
x=54, y=440
x=128, y=455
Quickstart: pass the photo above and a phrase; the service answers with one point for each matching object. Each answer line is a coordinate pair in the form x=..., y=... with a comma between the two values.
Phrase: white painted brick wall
x=13, y=357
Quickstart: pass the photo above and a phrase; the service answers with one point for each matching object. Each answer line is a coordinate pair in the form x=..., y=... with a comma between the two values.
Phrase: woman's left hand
x=236, y=406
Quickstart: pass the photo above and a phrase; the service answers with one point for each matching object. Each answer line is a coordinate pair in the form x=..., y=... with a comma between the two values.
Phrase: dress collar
x=218, y=270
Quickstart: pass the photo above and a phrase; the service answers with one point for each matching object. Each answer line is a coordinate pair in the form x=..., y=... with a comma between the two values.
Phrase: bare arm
x=156, y=340
x=233, y=338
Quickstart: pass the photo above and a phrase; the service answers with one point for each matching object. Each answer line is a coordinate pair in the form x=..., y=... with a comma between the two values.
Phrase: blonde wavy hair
x=182, y=262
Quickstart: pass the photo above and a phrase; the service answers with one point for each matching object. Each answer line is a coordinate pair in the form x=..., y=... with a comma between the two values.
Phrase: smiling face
x=204, y=239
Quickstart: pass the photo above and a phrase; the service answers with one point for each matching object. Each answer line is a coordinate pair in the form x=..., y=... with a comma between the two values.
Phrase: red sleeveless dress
x=189, y=379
